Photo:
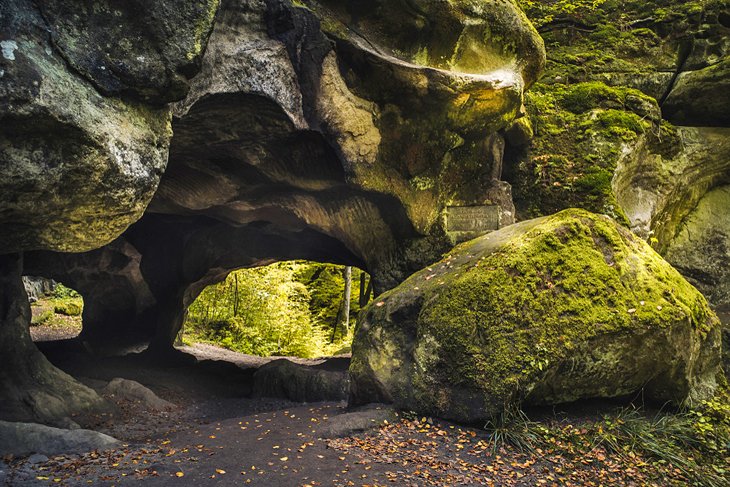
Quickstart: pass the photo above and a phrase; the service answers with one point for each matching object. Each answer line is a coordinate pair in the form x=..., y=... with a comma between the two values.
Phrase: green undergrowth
x=62, y=308
x=580, y=133
x=694, y=443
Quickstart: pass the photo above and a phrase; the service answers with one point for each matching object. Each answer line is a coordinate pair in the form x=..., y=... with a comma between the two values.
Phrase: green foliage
x=695, y=442
x=68, y=306
x=513, y=428
x=64, y=302
x=325, y=283
x=287, y=309
x=667, y=438
x=43, y=318
x=63, y=292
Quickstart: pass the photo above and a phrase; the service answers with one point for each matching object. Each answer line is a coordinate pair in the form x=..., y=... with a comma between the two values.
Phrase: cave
x=290, y=136
x=513, y=211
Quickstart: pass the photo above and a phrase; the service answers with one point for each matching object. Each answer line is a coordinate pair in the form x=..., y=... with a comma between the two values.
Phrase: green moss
x=555, y=286
x=513, y=312
x=68, y=306
x=203, y=27
x=582, y=97
x=580, y=132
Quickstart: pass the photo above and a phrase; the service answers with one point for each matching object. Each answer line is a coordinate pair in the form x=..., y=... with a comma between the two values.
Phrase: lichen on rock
x=547, y=311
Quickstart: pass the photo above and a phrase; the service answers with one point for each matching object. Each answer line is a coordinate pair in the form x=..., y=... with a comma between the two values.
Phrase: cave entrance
x=55, y=309
x=297, y=309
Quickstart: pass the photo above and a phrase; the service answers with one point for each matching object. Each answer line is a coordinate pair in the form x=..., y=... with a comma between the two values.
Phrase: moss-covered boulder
x=547, y=311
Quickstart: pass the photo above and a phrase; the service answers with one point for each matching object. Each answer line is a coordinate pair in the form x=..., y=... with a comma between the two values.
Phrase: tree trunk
x=365, y=292
x=343, y=316
x=32, y=388
x=235, y=296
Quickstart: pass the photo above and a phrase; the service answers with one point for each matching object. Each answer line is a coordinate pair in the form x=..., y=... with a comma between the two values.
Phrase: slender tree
x=343, y=316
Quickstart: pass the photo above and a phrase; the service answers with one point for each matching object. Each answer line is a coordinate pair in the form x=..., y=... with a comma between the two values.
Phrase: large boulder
x=76, y=168
x=546, y=311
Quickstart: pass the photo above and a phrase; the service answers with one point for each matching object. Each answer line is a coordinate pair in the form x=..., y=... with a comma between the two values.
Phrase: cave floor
x=218, y=436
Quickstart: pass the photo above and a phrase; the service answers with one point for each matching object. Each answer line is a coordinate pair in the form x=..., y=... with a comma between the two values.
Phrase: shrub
x=42, y=318
x=68, y=307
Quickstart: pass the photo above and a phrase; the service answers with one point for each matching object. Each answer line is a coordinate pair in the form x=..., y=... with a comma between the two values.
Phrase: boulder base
x=547, y=311
x=26, y=438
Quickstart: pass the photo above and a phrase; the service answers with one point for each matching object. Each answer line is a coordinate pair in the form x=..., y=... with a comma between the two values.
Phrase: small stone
x=37, y=458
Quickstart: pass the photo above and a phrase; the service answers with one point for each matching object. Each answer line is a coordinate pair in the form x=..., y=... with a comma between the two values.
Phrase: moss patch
x=607, y=62
x=581, y=131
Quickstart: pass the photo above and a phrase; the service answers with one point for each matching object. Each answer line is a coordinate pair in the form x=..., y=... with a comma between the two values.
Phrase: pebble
x=37, y=458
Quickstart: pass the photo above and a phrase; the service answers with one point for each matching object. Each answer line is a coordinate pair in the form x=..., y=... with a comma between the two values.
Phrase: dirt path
x=217, y=435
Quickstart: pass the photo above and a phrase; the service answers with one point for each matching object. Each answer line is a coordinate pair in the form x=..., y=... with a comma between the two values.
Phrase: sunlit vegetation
x=285, y=309
x=60, y=310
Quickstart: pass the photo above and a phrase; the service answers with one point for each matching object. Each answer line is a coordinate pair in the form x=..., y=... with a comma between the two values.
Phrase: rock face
x=546, y=311
x=316, y=131
x=118, y=46
x=37, y=287
x=285, y=379
x=77, y=166
x=675, y=53
x=657, y=191
x=32, y=388
x=701, y=251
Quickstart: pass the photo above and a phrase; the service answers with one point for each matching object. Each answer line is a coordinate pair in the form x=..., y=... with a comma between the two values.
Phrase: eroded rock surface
x=32, y=388
x=76, y=168
x=546, y=311
x=658, y=190
x=303, y=383
x=315, y=131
